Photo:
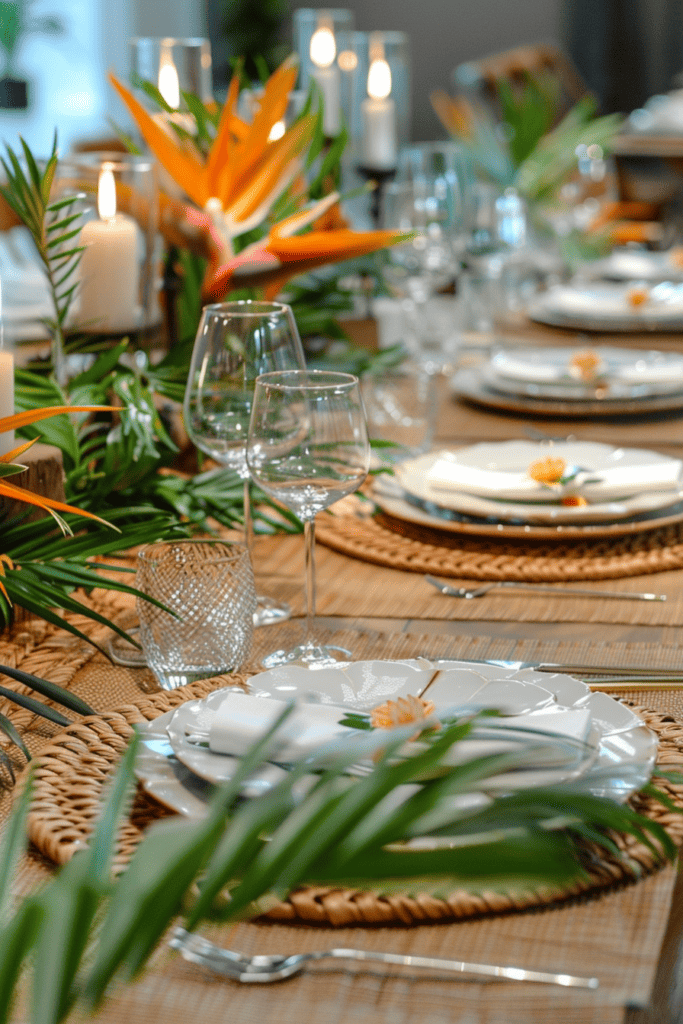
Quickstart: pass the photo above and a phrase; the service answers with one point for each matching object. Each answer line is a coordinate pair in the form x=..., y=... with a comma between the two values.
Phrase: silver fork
x=267, y=968
x=559, y=591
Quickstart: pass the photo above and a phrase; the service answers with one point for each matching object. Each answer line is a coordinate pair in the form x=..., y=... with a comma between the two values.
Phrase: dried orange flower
x=401, y=712
x=548, y=470
x=637, y=296
x=585, y=365
x=574, y=501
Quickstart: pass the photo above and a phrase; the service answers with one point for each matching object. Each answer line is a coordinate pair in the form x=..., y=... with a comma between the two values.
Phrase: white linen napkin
x=447, y=474
x=242, y=719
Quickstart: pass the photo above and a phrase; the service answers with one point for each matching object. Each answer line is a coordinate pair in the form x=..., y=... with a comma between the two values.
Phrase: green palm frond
x=54, y=226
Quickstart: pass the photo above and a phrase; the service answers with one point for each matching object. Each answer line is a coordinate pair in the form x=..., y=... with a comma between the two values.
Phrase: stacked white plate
x=576, y=734
x=486, y=488
x=607, y=307
x=550, y=373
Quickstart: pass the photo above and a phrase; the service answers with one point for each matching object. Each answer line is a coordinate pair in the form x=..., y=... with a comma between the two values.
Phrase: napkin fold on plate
x=447, y=474
x=242, y=719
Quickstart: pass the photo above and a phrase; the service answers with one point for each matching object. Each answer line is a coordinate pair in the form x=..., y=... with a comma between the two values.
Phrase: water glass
x=208, y=587
x=400, y=406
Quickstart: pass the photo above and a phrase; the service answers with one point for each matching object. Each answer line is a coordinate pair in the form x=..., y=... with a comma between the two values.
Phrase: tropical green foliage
x=246, y=853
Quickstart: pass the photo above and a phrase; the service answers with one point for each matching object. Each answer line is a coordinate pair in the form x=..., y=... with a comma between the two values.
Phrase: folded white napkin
x=447, y=474
x=242, y=719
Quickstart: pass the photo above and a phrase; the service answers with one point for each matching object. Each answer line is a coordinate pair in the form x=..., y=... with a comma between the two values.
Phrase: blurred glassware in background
x=173, y=66
x=423, y=265
x=447, y=173
x=400, y=406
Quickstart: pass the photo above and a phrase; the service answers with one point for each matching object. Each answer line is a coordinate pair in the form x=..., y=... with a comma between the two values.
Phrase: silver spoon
x=267, y=968
x=559, y=591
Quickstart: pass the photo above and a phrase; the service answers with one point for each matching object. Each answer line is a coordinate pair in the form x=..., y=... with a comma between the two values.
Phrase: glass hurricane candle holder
x=377, y=88
x=118, y=202
x=174, y=66
x=321, y=40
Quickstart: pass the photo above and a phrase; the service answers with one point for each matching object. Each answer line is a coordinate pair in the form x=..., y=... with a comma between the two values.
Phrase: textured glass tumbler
x=209, y=585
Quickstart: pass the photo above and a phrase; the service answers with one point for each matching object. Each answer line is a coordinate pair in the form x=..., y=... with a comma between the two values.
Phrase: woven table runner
x=617, y=937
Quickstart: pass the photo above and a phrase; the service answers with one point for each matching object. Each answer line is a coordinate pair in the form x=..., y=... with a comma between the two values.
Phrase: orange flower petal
x=272, y=108
x=184, y=168
x=220, y=157
x=16, y=452
x=22, y=419
x=19, y=494
x=333, y=245
x=250, y=189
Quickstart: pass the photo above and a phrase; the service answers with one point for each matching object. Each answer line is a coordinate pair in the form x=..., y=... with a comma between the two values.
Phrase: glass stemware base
x=309, y=655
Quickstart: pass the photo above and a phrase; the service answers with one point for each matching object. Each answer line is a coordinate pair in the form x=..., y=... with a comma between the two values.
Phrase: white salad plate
x=622, y=749
x=491, y=481
x=546, y=373
x=606, y=307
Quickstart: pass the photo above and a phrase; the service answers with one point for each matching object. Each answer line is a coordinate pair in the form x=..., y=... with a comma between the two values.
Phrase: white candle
x=323, y=51
x=378, y=113
x=109, y=265
x=6, y=399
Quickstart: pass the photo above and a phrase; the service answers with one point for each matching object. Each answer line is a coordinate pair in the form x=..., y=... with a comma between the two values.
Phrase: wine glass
x=236, y=342
x=308, y=446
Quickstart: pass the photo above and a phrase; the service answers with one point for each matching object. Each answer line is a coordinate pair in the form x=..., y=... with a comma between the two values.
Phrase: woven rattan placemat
x=384, y=540
x=72, y=770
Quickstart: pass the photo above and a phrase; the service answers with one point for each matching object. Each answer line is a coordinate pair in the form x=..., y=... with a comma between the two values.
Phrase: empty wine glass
x=236, y=342
x=308, y=446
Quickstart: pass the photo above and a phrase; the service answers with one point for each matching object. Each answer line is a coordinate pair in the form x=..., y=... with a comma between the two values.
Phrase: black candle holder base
x=381, y=178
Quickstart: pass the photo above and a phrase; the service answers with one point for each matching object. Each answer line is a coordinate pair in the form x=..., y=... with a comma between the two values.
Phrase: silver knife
x=541, y=588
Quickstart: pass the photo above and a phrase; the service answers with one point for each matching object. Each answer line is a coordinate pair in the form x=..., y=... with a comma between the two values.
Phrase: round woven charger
x=71, y=772
x=396, y=544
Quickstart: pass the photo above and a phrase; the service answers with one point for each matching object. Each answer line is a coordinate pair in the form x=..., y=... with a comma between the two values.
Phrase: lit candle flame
x=106, y=193
x=277, y=131
x=379, y=80
x=169, y=85
x=323, y=47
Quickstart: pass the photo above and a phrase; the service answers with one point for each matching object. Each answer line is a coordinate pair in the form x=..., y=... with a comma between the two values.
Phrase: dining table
x=372, y=599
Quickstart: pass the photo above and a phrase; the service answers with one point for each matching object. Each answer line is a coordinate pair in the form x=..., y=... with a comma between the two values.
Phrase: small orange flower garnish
x=402, y=712
x=573, y=501
x=548, y=470
x=585, y=365
x=637, y=296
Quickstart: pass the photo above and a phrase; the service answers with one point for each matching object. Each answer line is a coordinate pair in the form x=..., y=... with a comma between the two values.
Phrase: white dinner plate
x=546, y=373
x=491, y=466
x=605, y=307
x=625, y=747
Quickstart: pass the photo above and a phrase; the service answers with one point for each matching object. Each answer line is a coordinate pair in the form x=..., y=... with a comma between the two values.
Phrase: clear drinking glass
x=209, y=585
x=308, y=446
x=236, y=342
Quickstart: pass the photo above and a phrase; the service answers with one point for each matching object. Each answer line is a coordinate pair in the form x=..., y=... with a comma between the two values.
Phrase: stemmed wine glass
x=236, y=342
x=308, y=446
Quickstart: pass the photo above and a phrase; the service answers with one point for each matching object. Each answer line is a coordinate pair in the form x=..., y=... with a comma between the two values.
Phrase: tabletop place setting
x=341, y=532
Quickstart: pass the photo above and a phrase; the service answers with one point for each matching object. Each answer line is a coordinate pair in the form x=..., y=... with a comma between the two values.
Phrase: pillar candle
x=378, y=113
x=109, y=266
x=6, y=399
x=325, y=74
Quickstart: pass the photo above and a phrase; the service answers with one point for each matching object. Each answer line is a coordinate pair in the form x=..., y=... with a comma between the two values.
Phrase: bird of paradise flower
x=236, y=185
